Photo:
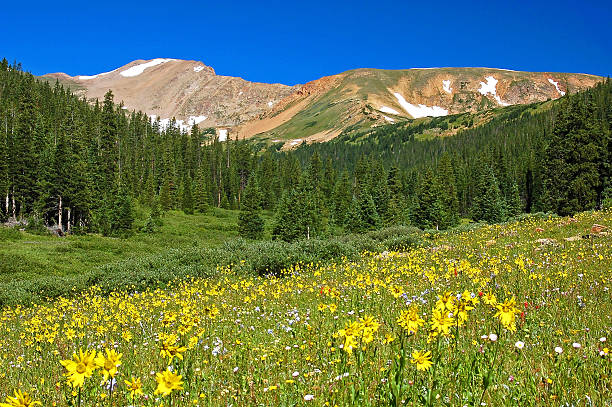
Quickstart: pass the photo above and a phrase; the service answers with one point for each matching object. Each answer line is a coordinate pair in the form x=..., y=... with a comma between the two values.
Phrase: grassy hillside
x=357, y=99
x=27, y=256
x=512, y=314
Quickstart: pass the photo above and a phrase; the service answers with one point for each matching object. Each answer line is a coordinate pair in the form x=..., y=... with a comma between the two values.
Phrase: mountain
x=189, y=91
x=364, y=98
x=322, y=109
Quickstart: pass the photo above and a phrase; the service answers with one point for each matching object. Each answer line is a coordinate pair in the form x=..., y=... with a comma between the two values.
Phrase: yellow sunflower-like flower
x=410, y=320
x=134, y=386
x=446, y=302
x=167, y=382
x=109, y=364
x=396, y=291
x=81, y=366
x=170, y=350
x=20, y=400
x=463, y=307
x=506, y=312
x=440, y=322
x=422, y=360
x=489, y=299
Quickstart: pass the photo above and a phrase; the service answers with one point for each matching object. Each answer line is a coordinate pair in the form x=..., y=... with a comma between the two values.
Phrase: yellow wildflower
x=20, y=400
x=80, y=367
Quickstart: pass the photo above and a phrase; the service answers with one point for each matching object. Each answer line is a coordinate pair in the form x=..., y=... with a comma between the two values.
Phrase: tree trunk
x=14, y=206
x=69, y=221
x=59, y=215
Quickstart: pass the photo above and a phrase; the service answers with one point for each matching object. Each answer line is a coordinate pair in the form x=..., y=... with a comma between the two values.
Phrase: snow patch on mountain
x=198, y=68
x=386, y=109
x=222, y=134
x=418, y=111
x=556, y=85
x=140, y=68
x=270, y=103
x=390, y=120
x=446, y=86
x=86, y=77
x=491, y=88
x=195, y=120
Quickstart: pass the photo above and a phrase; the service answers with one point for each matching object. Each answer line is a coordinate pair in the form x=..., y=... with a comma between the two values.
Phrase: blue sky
x=295, y=42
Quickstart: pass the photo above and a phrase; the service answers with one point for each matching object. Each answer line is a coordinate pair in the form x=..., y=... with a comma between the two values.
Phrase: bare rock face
x=321, y=109
x=186, y=90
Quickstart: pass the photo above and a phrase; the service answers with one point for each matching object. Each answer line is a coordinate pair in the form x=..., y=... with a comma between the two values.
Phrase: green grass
x=24, y=256
x=508, y=315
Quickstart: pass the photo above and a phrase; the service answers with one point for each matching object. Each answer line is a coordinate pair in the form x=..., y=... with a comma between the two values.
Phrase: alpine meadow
x=174, y=237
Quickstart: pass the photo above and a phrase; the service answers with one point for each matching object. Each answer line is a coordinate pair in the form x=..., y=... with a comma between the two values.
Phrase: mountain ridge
x=321, y=109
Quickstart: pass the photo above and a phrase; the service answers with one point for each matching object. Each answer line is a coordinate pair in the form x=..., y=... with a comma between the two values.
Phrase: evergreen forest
x=83, y=167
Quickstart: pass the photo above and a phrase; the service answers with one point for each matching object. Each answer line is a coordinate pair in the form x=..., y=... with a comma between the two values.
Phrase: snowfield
x=490, y=88
x=386, y=109
x=390, y=120
x=556, y=85
x=86, y=77
x=446, y=86
x=198, y=68
x=222, y=134
x=195, y=120
x=138, y=69
x=420, y=110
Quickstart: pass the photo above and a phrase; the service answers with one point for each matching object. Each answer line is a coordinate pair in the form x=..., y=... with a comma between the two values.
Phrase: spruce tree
x=488, y=202
x=448, y=192
x=187, y=204
x=353, y=221
x=165, y=198
x=201, y=197
x=342, y=199
x=429, y=210
x=577, y=158
x=396, y=208
x=514, y=203
x=250, y=222
x=123, y=214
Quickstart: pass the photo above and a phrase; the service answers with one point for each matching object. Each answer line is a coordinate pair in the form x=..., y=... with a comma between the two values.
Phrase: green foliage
x=577, y=164
x=9, y=234
x=250, y=222
x=194, y=258
x=187, y=204
x=488, y=204
x=36, y=226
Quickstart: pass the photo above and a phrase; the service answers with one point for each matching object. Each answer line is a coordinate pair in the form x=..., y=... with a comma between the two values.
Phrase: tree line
x=82, y=166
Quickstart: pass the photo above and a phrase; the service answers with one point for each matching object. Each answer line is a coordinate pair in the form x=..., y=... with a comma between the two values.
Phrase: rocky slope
x=189, y=91
x=319, y=110
x=363, y=98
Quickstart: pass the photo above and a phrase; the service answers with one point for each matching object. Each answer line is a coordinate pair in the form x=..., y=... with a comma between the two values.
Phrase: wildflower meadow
x=513, y=314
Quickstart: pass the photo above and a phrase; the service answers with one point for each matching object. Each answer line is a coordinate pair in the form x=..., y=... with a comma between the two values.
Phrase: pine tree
x=250, y=222
x=445, y=179
x=342, y=199
x=201, y=197
x=577, y=158
x=396, y=208
x=286, y=226
x=514, y=204
x=165, y=198
x=108, y=154
x=187, y=198
x=353, y=221
x=123, y=214
x=369, y=214
x=488, y=202
x=429, y=211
